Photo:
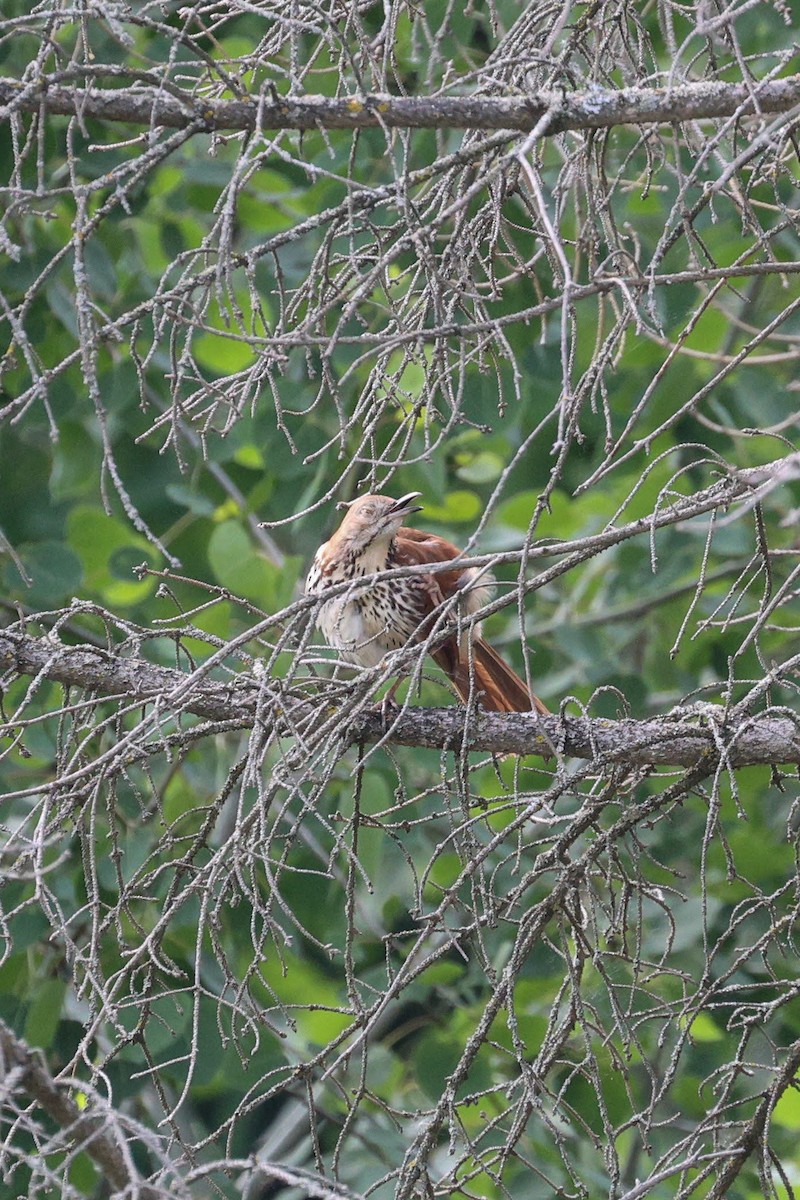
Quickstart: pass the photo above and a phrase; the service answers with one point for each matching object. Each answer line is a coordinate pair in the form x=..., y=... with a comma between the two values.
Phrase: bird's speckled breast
x=367, y=623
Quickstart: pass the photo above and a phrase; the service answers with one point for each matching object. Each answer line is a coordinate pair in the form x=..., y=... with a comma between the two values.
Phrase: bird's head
x=372, y=520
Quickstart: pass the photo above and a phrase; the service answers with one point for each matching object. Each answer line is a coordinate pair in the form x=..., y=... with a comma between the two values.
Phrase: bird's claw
x=389, y=708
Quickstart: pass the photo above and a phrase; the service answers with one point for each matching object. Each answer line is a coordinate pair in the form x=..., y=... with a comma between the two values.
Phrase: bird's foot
x=388, y=706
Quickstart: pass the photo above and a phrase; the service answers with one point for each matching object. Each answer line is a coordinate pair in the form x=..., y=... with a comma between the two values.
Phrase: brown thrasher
x=366, y=623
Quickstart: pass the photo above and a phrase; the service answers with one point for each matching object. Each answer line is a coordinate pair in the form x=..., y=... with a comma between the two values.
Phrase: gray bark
x=598, y=108
x=682, y=739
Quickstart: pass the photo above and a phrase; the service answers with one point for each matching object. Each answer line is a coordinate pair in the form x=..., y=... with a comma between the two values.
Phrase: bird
x=365, y=623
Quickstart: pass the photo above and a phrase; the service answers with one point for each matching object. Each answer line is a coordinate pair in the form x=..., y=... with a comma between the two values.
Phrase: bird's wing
x=413, y=547
x=472, y=666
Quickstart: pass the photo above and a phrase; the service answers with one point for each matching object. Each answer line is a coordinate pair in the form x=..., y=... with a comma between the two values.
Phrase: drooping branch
x=681, y=739
x=598, y=108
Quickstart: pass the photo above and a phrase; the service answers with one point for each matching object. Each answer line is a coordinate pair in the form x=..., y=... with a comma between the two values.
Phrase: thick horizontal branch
x=597, y=108
x=674, y=740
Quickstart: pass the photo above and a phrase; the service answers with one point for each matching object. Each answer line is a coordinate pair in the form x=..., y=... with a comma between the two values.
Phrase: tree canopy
x=539, y=263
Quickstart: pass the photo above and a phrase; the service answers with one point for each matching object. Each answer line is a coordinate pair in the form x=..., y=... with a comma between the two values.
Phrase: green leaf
x=436, y=1056
x=518, y=510
x=83, y=1174
x=458, y=507
x=45, y=1012
x=705, y=1029
x=239, y=566
x=189, y=498
x=480, y=468
x=98, y=540
x=223, y=353
x=228, y=350
x=250, y=456
x=787, y=1111
x=55, y=574
x=76, y=463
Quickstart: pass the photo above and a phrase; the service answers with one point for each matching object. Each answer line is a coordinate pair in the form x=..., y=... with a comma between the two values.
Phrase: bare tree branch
x=599, y=108
x=324, y=959
x=86, y=1129
x=680, y=739
x=751, y=1140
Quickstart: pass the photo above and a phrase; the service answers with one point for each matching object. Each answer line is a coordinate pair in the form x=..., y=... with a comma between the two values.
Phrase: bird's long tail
x=496, y=687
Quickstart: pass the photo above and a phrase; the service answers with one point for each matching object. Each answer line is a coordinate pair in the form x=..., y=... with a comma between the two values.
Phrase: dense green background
x=305, y=915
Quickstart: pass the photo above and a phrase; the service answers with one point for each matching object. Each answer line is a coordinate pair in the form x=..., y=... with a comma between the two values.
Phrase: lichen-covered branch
x=599, y=108
x=680, y=739
x=23, y=1070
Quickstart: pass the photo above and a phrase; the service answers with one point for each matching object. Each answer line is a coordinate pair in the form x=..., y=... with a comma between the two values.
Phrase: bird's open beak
x=404, y=506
